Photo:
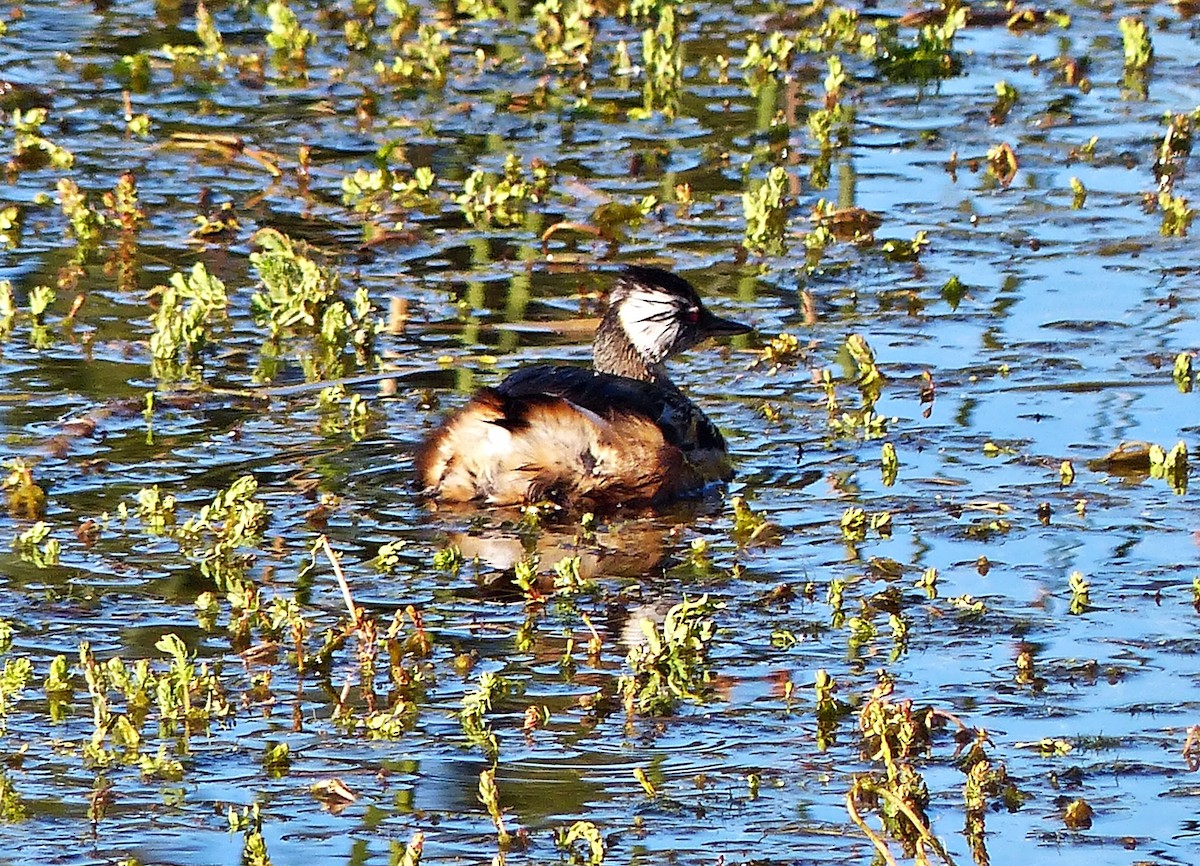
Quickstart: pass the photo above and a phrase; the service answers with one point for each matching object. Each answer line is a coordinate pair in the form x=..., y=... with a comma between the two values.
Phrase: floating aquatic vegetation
x=566, y=30
x=670, y=664
x=830, y=124
x=421, y=61
x=587, y=833
x=1080, y=593
x=782, y=351
x=1139, y=459
x=30, y=149
x=1078, y=193
x=248, y=822
x=301, y=298
x=1002, y=163
x=183, y=321
x=1135, y=37
x=489, y=796
x=1182, y=372
x=475, y=707
x=1175, y=147
x=288, y=38
x=25, y=499
x=1176, y=215
x=931, y=58
x=1006, y=98
x=372, y=192
x=767, y=62
x=662, y=65
x=487, y=200
x=36, y=547
x=889, y=463
x=766, y=204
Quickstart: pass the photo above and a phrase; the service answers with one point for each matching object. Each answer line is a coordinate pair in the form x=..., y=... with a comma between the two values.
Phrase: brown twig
x=915, y=821
x=341, y=579
x=859, y=822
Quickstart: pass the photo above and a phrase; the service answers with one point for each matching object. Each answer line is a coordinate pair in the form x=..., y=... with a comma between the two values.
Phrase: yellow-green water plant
x=15, y=677
x=221, y=535
x=376, y=191
x=1182, y=372
x=670, y=663
x=782, y=351
x=121, y=697
x=32, y=150
x=1135, y=38
x=857, y=522
x=1171, y=466
x=8, y=308
x=645, y=10
x=410, y=855
x=827, y=708
x=212, y=45
x=928, y=582
x=765, y=204
x=905, y=251
x=35, y=546
x=858, y=359
x=585, y=832
x=86, y=222
x=1175, y=148
x=767, y=61
x=481, y=10
x=343, y=412
x=276, y=760
x=186, y=694
x=986, y=783
x=1006, y=98
x=662, y=66
x=449, y=559
x=299, y=297
x=566, y=30
x=12, y=807
x=423, y=60
x=750, y=526
x=836, y=27
x=931, y=58
x=490, y=200
x=1176, y=215
x=889, y=463
x=156, y=510
x=1080, y=593
x=829, y=125
x=288, y=38
x=187, y=307
x=41, y=298
x=489, y=796
x=476, y=705
x=405, y=15
x=893, y=734
x=58, y=688
x=1078, y=193
x=248, y=822
x=567, y=578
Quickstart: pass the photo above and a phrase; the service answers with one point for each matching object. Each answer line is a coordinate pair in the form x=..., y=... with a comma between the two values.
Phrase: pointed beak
x=715, y=326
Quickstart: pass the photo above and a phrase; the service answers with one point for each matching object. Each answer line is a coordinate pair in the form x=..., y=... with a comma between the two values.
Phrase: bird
x=618, y=435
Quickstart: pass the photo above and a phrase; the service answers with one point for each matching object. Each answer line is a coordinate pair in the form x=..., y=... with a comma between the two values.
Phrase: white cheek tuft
x=651, y=321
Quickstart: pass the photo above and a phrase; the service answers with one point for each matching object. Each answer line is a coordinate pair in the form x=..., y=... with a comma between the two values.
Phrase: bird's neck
x=612, y=352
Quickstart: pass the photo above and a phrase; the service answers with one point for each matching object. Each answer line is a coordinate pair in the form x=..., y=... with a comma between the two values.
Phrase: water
x=1060, y=348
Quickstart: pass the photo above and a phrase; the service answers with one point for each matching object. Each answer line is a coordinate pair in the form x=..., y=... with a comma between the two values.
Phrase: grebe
x=619, y=434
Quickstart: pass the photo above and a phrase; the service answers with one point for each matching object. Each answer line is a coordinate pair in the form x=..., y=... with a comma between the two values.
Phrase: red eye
x=692, y=315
